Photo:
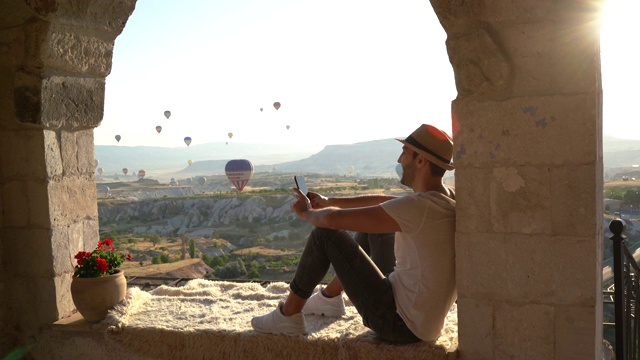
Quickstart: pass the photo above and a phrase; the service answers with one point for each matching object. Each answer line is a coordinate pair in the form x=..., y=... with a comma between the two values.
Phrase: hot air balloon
x=141, y=174
x=118, y=137
x=125, y=171
x=230, y=135
x=201, y=180
x=399, y=170
x=167, y=114
x=158, y=129
x=190, y=162
x=239, y=172
x=100, y=170
x=350, y=169
x=260, y=109
x=97, y=162
x=276, y=105
x=187, y=140
x=287, y=127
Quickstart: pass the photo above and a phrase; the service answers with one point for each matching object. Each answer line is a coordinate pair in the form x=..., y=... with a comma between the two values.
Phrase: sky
x=343, y=72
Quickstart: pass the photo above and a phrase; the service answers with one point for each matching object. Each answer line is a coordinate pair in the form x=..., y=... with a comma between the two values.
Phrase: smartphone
x=300, y=183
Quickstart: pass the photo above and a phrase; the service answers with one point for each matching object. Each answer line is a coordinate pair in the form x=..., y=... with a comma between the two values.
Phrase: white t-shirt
x=423, y=281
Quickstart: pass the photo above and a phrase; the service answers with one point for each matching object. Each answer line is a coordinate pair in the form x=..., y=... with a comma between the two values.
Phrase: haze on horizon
x=344, y=72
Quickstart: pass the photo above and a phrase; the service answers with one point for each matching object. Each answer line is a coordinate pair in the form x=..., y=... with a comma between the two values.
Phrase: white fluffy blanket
x=211, y=320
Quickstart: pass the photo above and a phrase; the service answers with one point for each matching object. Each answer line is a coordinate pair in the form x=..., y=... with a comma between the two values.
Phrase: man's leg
x=379, y=247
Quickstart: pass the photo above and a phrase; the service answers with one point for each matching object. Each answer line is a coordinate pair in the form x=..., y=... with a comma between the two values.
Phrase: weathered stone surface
x=27, y=97
x=16, y=205
x=72, y=200
x=38, y=202
x=475, y=329
x=31, y=254
x=576, y=183
x=526, y=269
x=520, y=200
x=524, y=332
x=23, y=310
x=578, y=333
x=472, y=200
x=72, y=52
x=72, y=102
x=550, y=130
x=13, y=13
x=52, y=155
x=108, y=16
x=480, y=65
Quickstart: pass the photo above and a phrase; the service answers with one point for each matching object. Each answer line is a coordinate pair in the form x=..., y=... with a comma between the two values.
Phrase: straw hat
x=432, y=143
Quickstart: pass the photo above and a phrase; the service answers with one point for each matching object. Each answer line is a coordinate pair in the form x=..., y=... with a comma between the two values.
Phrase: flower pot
x=94, y=297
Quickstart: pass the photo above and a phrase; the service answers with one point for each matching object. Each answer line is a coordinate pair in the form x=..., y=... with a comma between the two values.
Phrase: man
x=412, y=302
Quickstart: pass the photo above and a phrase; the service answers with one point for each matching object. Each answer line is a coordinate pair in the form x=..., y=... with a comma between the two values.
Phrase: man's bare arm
x=318, y=201
x=370, y=219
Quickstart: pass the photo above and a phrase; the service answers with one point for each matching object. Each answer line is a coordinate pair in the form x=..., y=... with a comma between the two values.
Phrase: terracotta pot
x=94, y=297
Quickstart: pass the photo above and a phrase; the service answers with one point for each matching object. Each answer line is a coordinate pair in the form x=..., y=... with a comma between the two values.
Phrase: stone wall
x=54, y=57
x=528, y=177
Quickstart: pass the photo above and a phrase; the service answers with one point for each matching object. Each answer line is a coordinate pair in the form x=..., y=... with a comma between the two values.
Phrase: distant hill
x=156, y=159
x=370, y=158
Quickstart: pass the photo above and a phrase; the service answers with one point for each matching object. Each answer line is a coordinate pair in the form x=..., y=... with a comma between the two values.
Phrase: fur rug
x=211, y=319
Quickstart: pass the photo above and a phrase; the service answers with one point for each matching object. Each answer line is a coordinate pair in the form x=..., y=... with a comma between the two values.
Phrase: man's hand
x=318, y=201
x=302, y=204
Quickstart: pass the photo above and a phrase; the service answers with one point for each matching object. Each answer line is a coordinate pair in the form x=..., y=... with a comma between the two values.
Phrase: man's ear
x=422, y=161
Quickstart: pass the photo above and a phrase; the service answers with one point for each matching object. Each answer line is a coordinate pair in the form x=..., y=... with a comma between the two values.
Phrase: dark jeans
x=379, y=247
x=369, y=290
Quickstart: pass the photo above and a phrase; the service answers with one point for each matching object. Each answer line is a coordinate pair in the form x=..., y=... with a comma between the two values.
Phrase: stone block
x=550, y=131
x=472, y=202
x=86, y=151
x=578, y=332
x=38, y=204
x=481, y=66
x=105, y=16
x=66, y=241
x=547, y=64
x=63, y=300
x=72, y=102
x=15, y=204
x=69, y=152
x=22, y=155
x=578, y=189
x=27, y=252
x=520, y=200
x=526, y=268
x=524, y=332
x=52, y=154
x=475, y=329
x=32, y=303
x=11, y=48
x=71, y=50
x=72, y=199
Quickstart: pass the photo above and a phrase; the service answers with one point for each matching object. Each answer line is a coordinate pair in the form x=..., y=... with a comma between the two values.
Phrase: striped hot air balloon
x=239, y=172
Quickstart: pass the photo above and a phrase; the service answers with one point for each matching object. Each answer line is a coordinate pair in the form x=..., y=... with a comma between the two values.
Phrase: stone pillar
x=528, y=177
x=54, y=57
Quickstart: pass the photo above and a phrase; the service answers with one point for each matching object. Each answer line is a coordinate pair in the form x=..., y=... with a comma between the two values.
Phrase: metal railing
x=626, y=295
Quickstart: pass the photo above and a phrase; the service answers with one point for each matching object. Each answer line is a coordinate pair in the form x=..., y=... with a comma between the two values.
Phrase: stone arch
x=528, y=120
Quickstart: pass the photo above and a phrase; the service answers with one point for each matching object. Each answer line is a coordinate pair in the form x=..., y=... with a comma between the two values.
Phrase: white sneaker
x=319, y=304
x=276, y=323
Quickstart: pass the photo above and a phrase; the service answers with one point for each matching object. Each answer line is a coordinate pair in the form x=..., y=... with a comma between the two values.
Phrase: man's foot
x=319, y=304
x=276, y=323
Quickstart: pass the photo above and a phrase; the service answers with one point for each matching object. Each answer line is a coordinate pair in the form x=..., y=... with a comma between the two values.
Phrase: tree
x=192, y=248
x=184, y=238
